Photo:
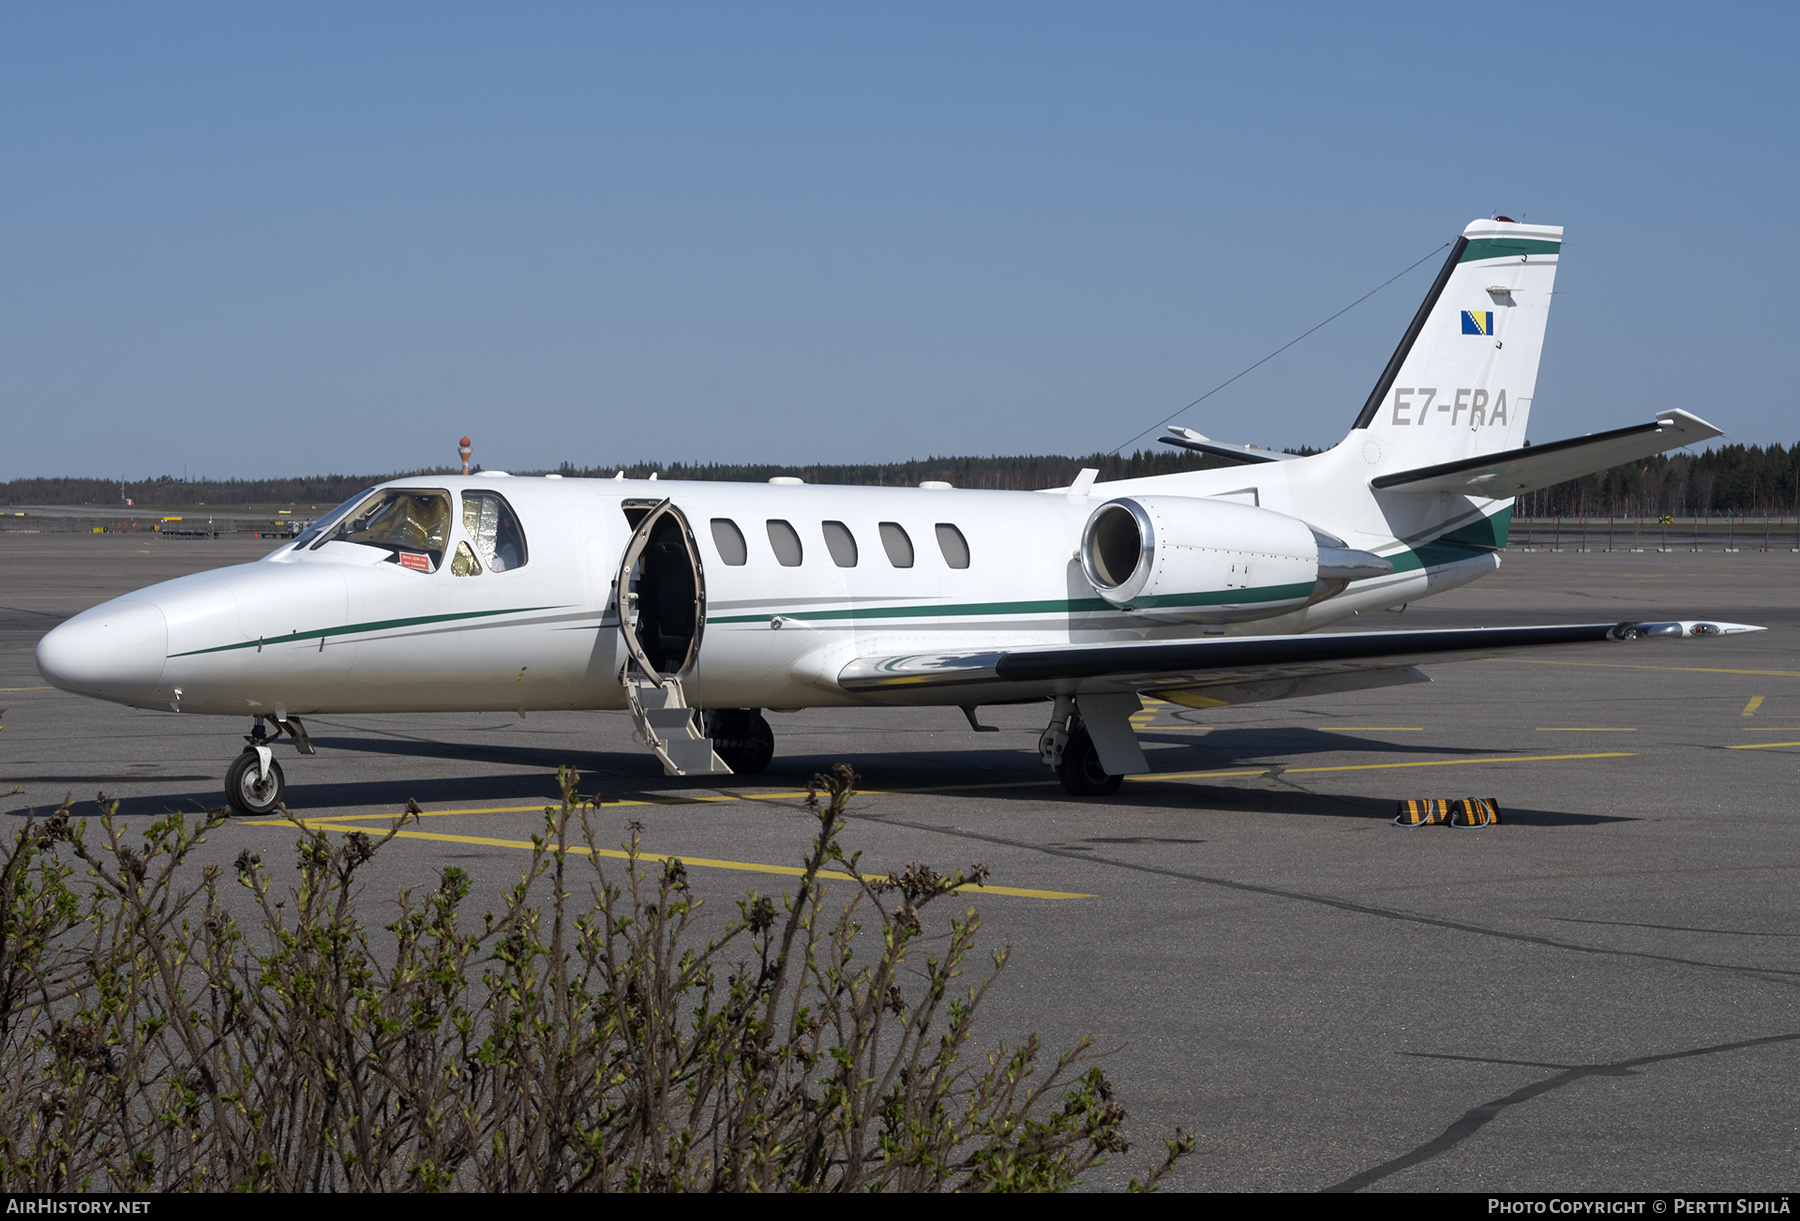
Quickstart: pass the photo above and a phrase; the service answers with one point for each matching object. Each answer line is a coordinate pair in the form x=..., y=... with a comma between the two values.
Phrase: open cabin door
x=661, y=595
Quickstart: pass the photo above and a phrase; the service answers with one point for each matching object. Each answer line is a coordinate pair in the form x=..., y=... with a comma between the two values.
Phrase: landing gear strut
x=253, y=783
x=742, y=738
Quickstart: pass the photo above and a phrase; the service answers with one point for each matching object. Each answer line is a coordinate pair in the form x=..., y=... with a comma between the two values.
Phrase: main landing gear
x=1067, y=746
x=1079, y=768
x=742, y=738
x=254, y=783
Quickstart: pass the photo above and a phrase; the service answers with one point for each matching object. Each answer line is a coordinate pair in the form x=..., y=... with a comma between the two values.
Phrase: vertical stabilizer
x=1461, y=382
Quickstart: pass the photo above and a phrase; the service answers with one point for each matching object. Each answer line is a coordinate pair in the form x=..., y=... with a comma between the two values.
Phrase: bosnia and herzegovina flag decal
x=1478, y=322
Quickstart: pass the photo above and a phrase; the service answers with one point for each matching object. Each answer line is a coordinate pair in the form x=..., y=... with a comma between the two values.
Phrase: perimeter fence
x=190, y=528
x=1732, y=533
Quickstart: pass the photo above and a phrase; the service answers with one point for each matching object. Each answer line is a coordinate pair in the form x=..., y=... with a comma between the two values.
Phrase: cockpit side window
x=493, y=530
x=413, y=526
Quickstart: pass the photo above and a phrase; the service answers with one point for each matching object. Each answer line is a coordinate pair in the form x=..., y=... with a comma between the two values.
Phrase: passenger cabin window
x=899, y=548
x=785, y=542
x=954, y=546
x=493, y=531
x=413, y=527
x=841, y=543
x=730, y=542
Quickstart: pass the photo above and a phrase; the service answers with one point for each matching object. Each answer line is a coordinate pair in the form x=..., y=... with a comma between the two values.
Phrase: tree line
x=1020, y=473
x=1751, y=480
x=1732, y=480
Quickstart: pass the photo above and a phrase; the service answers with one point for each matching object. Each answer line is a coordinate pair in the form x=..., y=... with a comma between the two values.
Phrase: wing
x=1513, y=472
x=1230, y=670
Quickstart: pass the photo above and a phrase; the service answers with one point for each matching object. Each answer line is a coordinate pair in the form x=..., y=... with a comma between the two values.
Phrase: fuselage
x=505, y=593
x=791, y=584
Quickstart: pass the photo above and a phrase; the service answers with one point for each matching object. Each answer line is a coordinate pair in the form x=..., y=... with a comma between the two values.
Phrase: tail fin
x=1461, y=382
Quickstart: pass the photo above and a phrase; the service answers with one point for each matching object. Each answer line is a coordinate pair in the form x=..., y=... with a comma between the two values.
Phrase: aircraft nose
x=114, y=651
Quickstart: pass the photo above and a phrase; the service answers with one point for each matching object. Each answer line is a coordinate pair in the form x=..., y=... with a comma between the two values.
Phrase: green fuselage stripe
x=1042, y=606
x=378, y=625
x=1427, y=555
x=1487, y=535
x=1506, y=247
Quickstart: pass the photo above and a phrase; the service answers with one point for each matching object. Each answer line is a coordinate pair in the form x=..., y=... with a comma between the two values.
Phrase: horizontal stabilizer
x=1187, y=438
x=1514, y=472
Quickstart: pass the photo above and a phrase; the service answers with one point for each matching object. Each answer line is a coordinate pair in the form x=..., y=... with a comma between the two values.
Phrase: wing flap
x=1225, y=695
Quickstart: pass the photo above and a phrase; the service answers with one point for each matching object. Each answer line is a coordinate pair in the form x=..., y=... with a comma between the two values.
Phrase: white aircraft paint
x=1192, y=585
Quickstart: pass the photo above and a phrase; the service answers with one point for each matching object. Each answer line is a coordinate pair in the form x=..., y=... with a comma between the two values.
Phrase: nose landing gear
x=254, y=784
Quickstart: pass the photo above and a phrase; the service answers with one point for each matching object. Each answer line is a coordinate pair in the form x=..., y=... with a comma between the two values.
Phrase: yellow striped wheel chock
x=1474, y=812
x=1451, y=812
x=1421, y=813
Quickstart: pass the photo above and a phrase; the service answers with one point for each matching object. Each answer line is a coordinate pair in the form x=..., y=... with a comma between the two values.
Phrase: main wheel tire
x=1080, y=770
x=743, y=739
x=248, y=791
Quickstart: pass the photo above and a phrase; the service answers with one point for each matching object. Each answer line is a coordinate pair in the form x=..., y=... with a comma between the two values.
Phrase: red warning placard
x=412, y=559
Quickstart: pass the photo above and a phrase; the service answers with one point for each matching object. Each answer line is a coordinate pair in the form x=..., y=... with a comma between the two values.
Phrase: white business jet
x=695, y=606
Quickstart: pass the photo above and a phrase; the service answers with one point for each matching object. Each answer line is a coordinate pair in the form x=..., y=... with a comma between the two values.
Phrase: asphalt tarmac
x=1597, y=994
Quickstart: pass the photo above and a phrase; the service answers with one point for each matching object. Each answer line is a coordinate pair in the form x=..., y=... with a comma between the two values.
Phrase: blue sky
x=261, y=240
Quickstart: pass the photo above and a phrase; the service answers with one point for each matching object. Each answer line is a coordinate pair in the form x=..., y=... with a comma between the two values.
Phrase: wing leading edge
x=1229, y=670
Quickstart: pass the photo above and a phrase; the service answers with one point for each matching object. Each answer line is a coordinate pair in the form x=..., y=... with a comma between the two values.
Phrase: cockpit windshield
x=413, y=526
x=312, y=532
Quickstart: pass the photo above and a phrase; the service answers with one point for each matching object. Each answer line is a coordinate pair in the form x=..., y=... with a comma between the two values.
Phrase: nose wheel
x=254, y=783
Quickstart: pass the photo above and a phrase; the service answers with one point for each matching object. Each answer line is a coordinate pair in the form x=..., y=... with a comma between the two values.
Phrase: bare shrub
x=586, y=1035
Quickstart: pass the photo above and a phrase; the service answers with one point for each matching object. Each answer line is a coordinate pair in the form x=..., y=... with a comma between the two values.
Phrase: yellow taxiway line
x=345, y=823
x=1375, y=767
x=722, y=798
x=1761, y=745
x=676, y=800
x=1620, y=665
x=792, y=871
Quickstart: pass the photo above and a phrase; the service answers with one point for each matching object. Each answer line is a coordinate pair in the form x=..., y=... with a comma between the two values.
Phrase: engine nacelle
x=1191, y=558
